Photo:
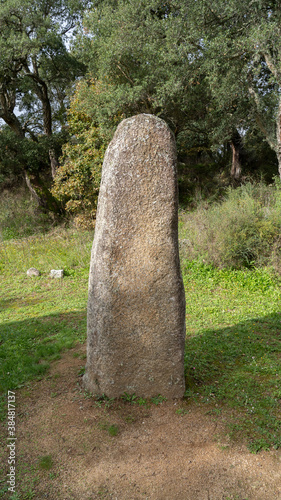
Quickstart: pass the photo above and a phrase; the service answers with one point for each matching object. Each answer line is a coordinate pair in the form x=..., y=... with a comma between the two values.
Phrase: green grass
x=66, y=249
x=233, y=349
x=20, y=216
x=40, y=316
x=233, y=320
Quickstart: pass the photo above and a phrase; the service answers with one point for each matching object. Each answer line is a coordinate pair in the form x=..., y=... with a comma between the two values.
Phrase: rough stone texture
x=136, y=306
x=33, y=272
x=56, y=273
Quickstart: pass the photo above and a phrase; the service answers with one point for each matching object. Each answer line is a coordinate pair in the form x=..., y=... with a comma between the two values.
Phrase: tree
x=210, y=69
x=36, y=68
x=77, y=179
x=243, y=61
x=146, y=57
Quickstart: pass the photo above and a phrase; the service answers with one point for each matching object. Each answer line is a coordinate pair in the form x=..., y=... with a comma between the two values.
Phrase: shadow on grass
x=232, y=369
x=27, y=347
x=239, y=368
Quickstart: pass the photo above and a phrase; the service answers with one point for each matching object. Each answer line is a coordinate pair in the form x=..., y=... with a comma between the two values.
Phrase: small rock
x=33, y=272
x=56, y=273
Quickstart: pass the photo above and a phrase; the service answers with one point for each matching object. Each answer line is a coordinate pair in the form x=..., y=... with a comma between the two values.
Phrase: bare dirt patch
x=124, y=451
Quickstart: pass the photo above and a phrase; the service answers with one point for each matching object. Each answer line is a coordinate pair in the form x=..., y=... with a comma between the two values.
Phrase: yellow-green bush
x=78, y=178
x=242, y=230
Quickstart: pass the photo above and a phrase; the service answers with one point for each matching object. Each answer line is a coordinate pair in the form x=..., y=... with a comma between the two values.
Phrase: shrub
x=242, y=230
x=78, y=178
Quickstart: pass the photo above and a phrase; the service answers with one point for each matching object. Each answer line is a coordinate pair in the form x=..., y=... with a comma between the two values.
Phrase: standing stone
x=136, y=306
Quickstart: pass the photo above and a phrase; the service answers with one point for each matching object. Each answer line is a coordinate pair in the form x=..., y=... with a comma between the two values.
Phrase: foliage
x=113, y=430
x=241, y=230
x=146, y=58
x=21, y=154
x=37, y=69
x=158, y=399
x=35, y=63
x=208, y=69
x=242, y=61
x=78, y=178
x=134, y=399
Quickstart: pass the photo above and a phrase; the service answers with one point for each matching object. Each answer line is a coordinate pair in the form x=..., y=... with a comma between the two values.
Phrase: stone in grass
x=33, y=272
x=56, y=273
x=136, y=305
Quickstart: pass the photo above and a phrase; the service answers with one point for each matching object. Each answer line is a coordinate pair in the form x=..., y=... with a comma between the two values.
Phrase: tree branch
x=259, y=120
x=124, y=74
x=271, y=67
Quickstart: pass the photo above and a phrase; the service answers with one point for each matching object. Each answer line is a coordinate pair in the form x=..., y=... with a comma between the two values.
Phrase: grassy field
x=233, y=349
x=39, y=317
x=233, y=322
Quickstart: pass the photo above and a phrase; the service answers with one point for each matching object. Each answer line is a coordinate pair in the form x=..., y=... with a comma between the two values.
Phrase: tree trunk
x=7, y=105
x=54, y=162
x=47, y=112
x=37, y=187
x=32, y=191
x=40, y=192
x=235, y=144
x=41, y=91
x=278, y=138
x=47, y=117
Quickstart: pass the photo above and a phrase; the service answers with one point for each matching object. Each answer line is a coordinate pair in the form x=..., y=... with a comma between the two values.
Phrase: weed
x=27, y=495
x=39, y=317
x=143, y=402
x=133, y=399
x=103, y=492
x=81, y=371
x=113, y=430
x=20, y=216
x=60, y=249
x=53, y=475
x=129, y=398
x=233, y=346
x=79, y=355
x=156, y=400
x=87, y=394
x=130, y=419
x=103, y=426
x=45, y=462
x=181, y=411
x=214, y=411
x=104, y=400
x=15, y=496
x=3, y=489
